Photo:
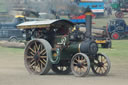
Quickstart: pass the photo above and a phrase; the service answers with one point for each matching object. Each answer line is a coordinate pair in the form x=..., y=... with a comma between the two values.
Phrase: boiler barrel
x=88, y=47
x=74, y=47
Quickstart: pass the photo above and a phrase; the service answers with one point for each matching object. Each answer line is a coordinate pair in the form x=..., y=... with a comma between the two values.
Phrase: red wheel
x=115, y=36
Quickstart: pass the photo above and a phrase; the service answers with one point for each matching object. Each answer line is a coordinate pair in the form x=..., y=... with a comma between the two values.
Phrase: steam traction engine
x=53, y=45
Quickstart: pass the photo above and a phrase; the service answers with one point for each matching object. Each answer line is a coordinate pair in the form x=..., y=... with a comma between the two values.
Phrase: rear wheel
x=101, y=65
x=80, y=65
x=58, y=69
x=36, y=56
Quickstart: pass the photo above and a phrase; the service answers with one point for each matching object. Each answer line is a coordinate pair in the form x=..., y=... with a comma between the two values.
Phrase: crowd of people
x=109, y=11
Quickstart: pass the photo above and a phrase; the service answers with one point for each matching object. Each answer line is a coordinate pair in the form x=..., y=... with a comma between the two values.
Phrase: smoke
x=58, y=5
x=43, y=5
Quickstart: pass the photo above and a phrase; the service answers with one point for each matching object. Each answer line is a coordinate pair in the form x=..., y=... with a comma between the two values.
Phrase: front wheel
x=101, y=65
x=80, y=65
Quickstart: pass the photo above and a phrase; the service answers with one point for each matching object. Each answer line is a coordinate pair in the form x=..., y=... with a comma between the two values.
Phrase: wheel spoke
x=32, y=53
x=41, y=66
x=101, y=70
x=75, y=68
x=79, y=70
x=39, y=47
x=32, y=50
x=84, y=62
x=32, y=64
x=76, y=60
x=96, y=61
x=105, y=62
x=32, y=60
x=42, y=62
x=35, y=67
x=84, y=68
x=105, y=65
x=74, y=63
x=43, y=52
x=38, y=67
x=43, y=56
x=35, y=48
x=29, y=56
x=96, y=68
x=100, y=58
x=104, y=68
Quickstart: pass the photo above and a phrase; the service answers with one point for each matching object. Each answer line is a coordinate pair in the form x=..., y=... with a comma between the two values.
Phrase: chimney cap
x=88, y=11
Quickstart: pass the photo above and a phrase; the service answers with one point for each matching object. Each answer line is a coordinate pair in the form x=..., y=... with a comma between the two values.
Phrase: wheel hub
x=79, y=64
x=100, y=64
x=115, y=36
x=36, y=56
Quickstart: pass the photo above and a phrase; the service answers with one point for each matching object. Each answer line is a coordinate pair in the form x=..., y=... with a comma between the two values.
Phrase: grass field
x=119, y=48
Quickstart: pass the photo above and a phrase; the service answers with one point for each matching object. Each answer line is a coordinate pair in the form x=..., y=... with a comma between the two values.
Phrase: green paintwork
x=69, y=51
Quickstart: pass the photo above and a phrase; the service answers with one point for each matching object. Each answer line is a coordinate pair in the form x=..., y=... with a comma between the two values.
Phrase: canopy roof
x=44, y=24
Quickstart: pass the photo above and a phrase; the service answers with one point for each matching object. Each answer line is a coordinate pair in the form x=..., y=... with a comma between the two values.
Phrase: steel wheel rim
x=115, y=36
x=80, y=65
x=35, y=57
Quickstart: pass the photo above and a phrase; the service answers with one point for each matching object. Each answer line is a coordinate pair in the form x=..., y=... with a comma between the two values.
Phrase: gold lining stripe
x=17, y=16
x=88, y=13
x=32, y=26
x=79, y=47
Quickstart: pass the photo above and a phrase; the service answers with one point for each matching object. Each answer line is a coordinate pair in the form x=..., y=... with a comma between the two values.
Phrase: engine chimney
x=89, y=46
x=88, y=14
